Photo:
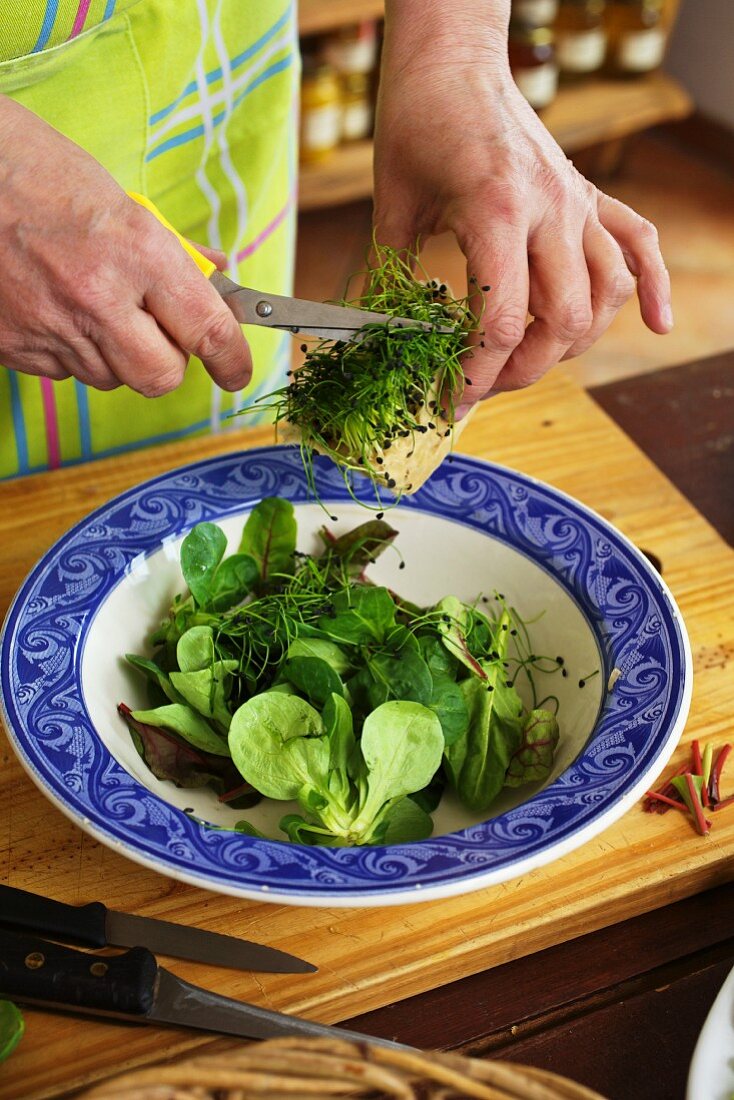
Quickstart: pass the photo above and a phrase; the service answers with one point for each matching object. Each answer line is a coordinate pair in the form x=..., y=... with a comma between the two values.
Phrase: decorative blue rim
x=634, y=618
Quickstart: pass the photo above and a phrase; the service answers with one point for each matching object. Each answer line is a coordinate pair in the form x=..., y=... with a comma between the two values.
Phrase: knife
x=132, y=987
x=94, y=925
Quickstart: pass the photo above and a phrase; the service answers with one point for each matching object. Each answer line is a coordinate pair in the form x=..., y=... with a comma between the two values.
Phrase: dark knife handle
x=37, y=971
x=83, y=924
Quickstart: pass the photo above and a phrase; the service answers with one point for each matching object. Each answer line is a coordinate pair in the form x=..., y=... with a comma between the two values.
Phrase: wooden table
x=593, y=966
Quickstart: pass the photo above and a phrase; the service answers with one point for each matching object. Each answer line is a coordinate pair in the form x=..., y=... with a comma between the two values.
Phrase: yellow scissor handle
x=204, y=265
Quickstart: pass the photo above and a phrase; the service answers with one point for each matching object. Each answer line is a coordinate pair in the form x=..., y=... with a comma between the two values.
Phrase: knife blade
x=94, y=925
x=132, y=987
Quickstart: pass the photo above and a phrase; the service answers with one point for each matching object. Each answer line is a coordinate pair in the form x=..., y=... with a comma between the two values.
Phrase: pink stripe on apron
x=81, y=15
x=52, y=425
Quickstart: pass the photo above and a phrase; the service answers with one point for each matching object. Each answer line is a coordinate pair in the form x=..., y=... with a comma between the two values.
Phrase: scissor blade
x=184, y=1005
x=296, y=315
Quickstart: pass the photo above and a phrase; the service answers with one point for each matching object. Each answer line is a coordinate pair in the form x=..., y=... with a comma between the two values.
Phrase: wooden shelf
x=580, y=117
x=345, y=177
x=605, y=110
x=315, y=16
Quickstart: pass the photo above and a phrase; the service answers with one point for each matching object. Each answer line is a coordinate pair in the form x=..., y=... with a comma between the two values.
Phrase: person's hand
x=91, y=285
x=458, y=148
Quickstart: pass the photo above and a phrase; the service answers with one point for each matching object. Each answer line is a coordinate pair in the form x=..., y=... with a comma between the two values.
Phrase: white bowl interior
x=441, y=558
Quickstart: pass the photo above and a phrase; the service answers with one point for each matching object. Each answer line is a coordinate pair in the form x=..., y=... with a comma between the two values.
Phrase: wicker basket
x=305, y=1069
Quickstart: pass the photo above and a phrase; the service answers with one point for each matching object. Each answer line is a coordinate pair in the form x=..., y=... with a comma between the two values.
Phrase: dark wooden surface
x=618, y=1010
x=683, y=419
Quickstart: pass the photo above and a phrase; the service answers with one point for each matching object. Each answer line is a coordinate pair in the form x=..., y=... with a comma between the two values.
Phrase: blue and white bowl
x=473, y=528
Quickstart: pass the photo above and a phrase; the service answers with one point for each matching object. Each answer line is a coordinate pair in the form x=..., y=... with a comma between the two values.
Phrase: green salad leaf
x=187, y=723
x=532, y=760
x=269, y=537
x=12, y=1027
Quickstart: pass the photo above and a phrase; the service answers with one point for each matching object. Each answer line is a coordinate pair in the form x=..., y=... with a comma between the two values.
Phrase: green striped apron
x=191, y=102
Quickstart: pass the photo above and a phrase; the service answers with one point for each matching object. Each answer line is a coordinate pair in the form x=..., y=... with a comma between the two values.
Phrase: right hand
x=91, y=285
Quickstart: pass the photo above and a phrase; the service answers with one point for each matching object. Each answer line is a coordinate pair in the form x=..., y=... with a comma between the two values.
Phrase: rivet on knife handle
x=36, y=971
x=71, y=923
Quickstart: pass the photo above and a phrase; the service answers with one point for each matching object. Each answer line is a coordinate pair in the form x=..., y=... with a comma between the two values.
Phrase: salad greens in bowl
x=291, y=675
x=242, y=690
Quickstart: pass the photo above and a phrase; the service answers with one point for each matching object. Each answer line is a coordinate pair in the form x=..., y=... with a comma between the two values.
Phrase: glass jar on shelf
x=321, y=110
x=637, y=36
x=581, y=37
x=357, y=109
x=538, y=13
x=533, y=62
x=353, y=49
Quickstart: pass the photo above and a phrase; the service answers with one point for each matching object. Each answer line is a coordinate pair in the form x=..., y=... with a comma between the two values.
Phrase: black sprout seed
x=379, y=515
x=402, y=565
x=564, y=673
x=304, y=348
x=560, y=661
x=486, y=288
x=582, y=683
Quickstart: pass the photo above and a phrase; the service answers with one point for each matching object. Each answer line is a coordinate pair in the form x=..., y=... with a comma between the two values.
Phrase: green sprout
x=356, y=401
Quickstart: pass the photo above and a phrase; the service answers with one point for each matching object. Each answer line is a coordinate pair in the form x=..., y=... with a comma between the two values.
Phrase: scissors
x=296, y=315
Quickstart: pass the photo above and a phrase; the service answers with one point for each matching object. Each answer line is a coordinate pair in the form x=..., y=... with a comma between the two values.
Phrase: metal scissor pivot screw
x=263, y=309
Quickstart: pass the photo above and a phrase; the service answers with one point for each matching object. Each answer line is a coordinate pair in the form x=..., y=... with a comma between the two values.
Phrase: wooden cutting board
x=371, y=957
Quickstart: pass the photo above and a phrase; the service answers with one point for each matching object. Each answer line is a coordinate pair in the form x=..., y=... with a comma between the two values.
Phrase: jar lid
x=365, y=31
x=529, y=34
x=593, y=7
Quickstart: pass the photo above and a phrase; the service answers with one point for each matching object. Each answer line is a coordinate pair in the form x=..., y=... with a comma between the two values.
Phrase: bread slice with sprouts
x=383, y=406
